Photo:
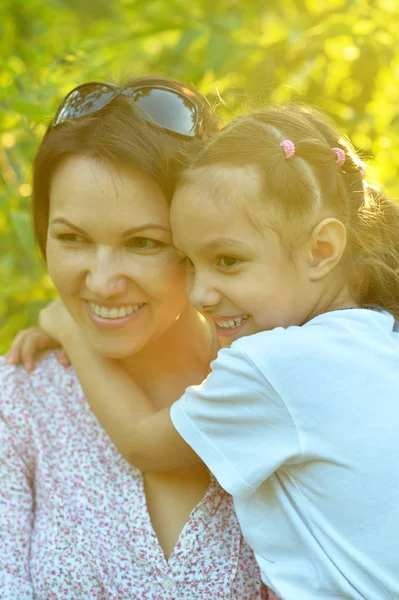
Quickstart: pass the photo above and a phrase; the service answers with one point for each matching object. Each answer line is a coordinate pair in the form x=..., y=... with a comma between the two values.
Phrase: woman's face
x=110, y=254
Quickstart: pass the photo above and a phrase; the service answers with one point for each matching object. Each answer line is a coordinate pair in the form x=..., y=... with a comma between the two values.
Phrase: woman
x=76, y=521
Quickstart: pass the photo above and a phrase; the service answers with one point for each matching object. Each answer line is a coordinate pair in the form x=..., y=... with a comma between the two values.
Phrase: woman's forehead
x=85, y=183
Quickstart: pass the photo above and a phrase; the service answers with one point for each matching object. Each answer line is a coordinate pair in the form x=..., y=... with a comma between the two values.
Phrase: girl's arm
x=145, y=437
x=28, y=343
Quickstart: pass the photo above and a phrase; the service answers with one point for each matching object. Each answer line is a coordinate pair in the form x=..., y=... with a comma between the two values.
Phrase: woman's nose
x=103, y=286
x=105, y=279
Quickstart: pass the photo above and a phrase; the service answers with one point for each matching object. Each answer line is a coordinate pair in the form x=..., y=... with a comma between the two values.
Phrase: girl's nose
x=202, y=295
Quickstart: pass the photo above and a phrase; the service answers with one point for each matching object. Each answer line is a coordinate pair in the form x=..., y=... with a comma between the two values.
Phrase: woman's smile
x=113, y=317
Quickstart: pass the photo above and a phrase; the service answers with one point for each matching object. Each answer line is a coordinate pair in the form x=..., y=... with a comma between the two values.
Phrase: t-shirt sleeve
x=237, y=423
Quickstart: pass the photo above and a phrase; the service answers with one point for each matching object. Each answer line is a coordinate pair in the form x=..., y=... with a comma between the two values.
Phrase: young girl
x=295, y=262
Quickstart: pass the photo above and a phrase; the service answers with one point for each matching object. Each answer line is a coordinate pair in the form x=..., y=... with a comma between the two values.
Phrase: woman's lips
x=113, y=323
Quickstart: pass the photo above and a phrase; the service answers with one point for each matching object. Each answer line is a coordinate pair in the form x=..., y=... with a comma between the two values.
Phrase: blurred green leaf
x=10, y=328
x=92, y=9
x=23, y=227
x=219, y=50
x=341, y=55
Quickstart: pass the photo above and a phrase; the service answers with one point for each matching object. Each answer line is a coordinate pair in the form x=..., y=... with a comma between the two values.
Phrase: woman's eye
x=187, y=262
x=228, y=261
x=71, y=237
x=143, y=243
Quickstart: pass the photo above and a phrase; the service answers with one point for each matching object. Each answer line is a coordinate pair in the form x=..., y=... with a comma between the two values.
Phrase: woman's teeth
x=232, y=323
x=113, y=312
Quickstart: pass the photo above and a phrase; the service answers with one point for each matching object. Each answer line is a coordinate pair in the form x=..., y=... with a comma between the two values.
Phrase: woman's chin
x=115, y=354
x=118, y=350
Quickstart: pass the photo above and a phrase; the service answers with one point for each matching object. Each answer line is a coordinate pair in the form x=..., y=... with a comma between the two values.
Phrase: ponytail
x=374, y=250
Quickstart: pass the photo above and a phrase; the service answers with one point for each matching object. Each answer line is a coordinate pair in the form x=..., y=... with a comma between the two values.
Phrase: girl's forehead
x=224, y=204
x=220, y=186
x=234, y=192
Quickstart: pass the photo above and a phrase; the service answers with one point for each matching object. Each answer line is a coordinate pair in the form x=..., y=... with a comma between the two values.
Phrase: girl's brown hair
x=116, y=134
x=310, y=180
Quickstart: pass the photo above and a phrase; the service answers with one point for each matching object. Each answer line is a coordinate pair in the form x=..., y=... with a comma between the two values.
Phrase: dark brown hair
x=312, y=179
x=118, y=135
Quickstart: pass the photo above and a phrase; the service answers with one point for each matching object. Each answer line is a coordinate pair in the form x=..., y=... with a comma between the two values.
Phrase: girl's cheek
x=171, y=266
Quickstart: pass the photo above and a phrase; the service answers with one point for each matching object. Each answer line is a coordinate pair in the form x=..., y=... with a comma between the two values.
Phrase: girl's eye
x=71, y=237
x=187, y=262
x=143, y=243
x=228, y=261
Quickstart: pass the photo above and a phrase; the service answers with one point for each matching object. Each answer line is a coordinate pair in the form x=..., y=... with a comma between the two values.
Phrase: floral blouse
x=74, y=523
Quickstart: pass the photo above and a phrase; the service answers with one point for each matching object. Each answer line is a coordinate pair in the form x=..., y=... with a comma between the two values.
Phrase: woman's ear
x=327, y=243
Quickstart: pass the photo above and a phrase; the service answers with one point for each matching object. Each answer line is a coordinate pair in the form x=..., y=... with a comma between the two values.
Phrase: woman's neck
x=178, y=358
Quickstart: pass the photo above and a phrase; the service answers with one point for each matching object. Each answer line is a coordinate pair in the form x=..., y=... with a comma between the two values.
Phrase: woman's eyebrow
x=126, y=234
x=66, y=222
x=133, y=230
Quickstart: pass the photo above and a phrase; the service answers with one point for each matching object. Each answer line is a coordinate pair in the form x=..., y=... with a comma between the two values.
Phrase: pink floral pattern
x=73, y=518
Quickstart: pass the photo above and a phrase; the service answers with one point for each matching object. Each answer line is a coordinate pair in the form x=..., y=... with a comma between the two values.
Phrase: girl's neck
x=339, y=300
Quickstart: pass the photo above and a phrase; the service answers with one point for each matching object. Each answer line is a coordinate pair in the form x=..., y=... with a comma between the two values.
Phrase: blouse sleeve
x=237, y=423
x=16, y=516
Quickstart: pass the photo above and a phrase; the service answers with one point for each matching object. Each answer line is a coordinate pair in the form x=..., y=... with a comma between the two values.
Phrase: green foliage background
x=341, y=55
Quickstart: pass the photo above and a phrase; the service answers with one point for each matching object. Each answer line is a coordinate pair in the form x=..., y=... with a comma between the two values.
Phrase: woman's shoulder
x=22, y=390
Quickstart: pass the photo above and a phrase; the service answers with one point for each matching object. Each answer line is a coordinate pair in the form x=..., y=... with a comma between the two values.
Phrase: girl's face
x=110, y=254
x=239, y=274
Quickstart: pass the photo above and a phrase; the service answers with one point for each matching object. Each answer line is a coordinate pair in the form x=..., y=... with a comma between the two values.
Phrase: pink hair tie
x=289, y=148
x=340, y=156
x=362, y=168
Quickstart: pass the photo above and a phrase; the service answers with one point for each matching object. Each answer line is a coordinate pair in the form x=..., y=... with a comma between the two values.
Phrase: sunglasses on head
x=174, y=109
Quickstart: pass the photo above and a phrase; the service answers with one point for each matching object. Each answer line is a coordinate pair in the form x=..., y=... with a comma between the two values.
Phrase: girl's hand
x=28, y=344
x=56, y=321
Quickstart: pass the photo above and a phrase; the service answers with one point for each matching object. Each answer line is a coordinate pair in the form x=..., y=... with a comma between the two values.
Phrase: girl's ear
x=326, y=246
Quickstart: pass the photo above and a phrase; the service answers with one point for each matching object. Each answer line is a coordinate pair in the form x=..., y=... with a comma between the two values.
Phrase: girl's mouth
x=113, y=317
x=228, y=326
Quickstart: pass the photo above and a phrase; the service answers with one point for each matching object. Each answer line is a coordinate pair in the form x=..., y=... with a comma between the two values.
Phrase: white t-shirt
x=301, y=426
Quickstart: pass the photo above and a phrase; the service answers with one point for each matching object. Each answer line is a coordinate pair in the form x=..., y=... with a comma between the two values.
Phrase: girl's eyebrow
x=225, y=242
x=219, y=243
x=126, y=234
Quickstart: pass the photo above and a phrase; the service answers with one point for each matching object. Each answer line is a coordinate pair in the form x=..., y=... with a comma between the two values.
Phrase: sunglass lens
x=84, y=100
x=168, y=109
